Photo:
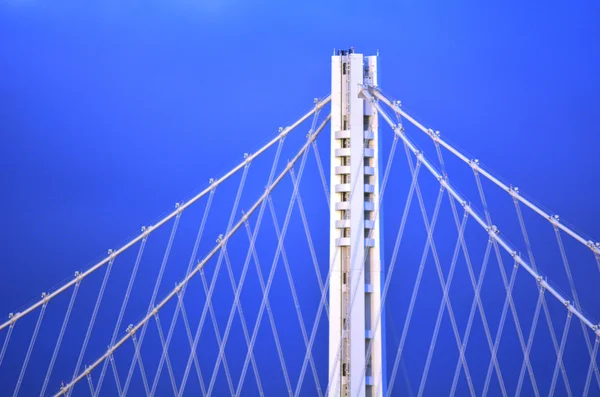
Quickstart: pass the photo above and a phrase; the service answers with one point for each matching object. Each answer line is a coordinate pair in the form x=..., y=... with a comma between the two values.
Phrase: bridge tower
x=355, y=244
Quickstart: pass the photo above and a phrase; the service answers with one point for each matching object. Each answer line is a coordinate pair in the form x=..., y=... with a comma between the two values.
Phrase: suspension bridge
x=275, y=280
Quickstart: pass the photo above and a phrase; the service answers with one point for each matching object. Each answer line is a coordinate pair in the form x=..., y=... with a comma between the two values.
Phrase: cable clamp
x=474, y=164
x=554, y=219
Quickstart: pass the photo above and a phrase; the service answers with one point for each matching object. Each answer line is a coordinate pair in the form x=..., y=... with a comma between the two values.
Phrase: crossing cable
x=495, y=235
x=30, y=348
x=322, y=303
x=117, y=327
x=476, y=304
x=555, y=344
x=593, y=365
x=444, y=284
x=184, y=282
x=559, y=355
x=446, y=303
x=311, y=138
x=243, y=322
x=237, y=291
x=60, y=337
x=268, y=305
x=112, y=255
x=311, y=246
x=92, y=320
x=574, y=294
x=288, y=272
x=593, y=246
x=534, y=323
x=208, y=303
x=430, y=242
x=354, y=293
x=137, y=358
x=508, y=286
x=199, y=235
x=138, y=354
x=188, y=332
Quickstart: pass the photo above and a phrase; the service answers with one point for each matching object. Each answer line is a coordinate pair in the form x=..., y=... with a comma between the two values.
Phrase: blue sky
x=113, y=111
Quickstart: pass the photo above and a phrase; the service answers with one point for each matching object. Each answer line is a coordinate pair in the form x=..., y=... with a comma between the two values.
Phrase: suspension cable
x=197, y=269
x=593, y=246
x=283, y=132
x=493, y=232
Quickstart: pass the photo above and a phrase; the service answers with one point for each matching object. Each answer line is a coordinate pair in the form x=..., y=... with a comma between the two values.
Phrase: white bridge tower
x=355, y=244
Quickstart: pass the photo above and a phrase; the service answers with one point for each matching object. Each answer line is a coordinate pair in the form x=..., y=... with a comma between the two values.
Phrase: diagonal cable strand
x=444, y=303
x=508, y=302
x=157, y=283
x=537, y=310
x=116, y=376
x=293, y=290
x=199, y=235
x=166, y=357
x=476, y=304
x=113, y=339
x=6, y=340
x=30, y=348
x=243, y=323
x=60, y=338
x=593, y=365
x=221, y=356
x=138, y=354
x=311, y=138
x=565, y=261
x=444, y=284
x=208, y=302
x=536, y=316
x=555, y=342
x=91, y=324
x=190, y=337
x=559, y=355
x=495, y=235
x=311, y=246
x=68, y=387
x=268, y=307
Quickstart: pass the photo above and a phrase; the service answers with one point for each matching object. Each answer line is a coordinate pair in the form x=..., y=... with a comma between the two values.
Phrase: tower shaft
x=355, y=253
